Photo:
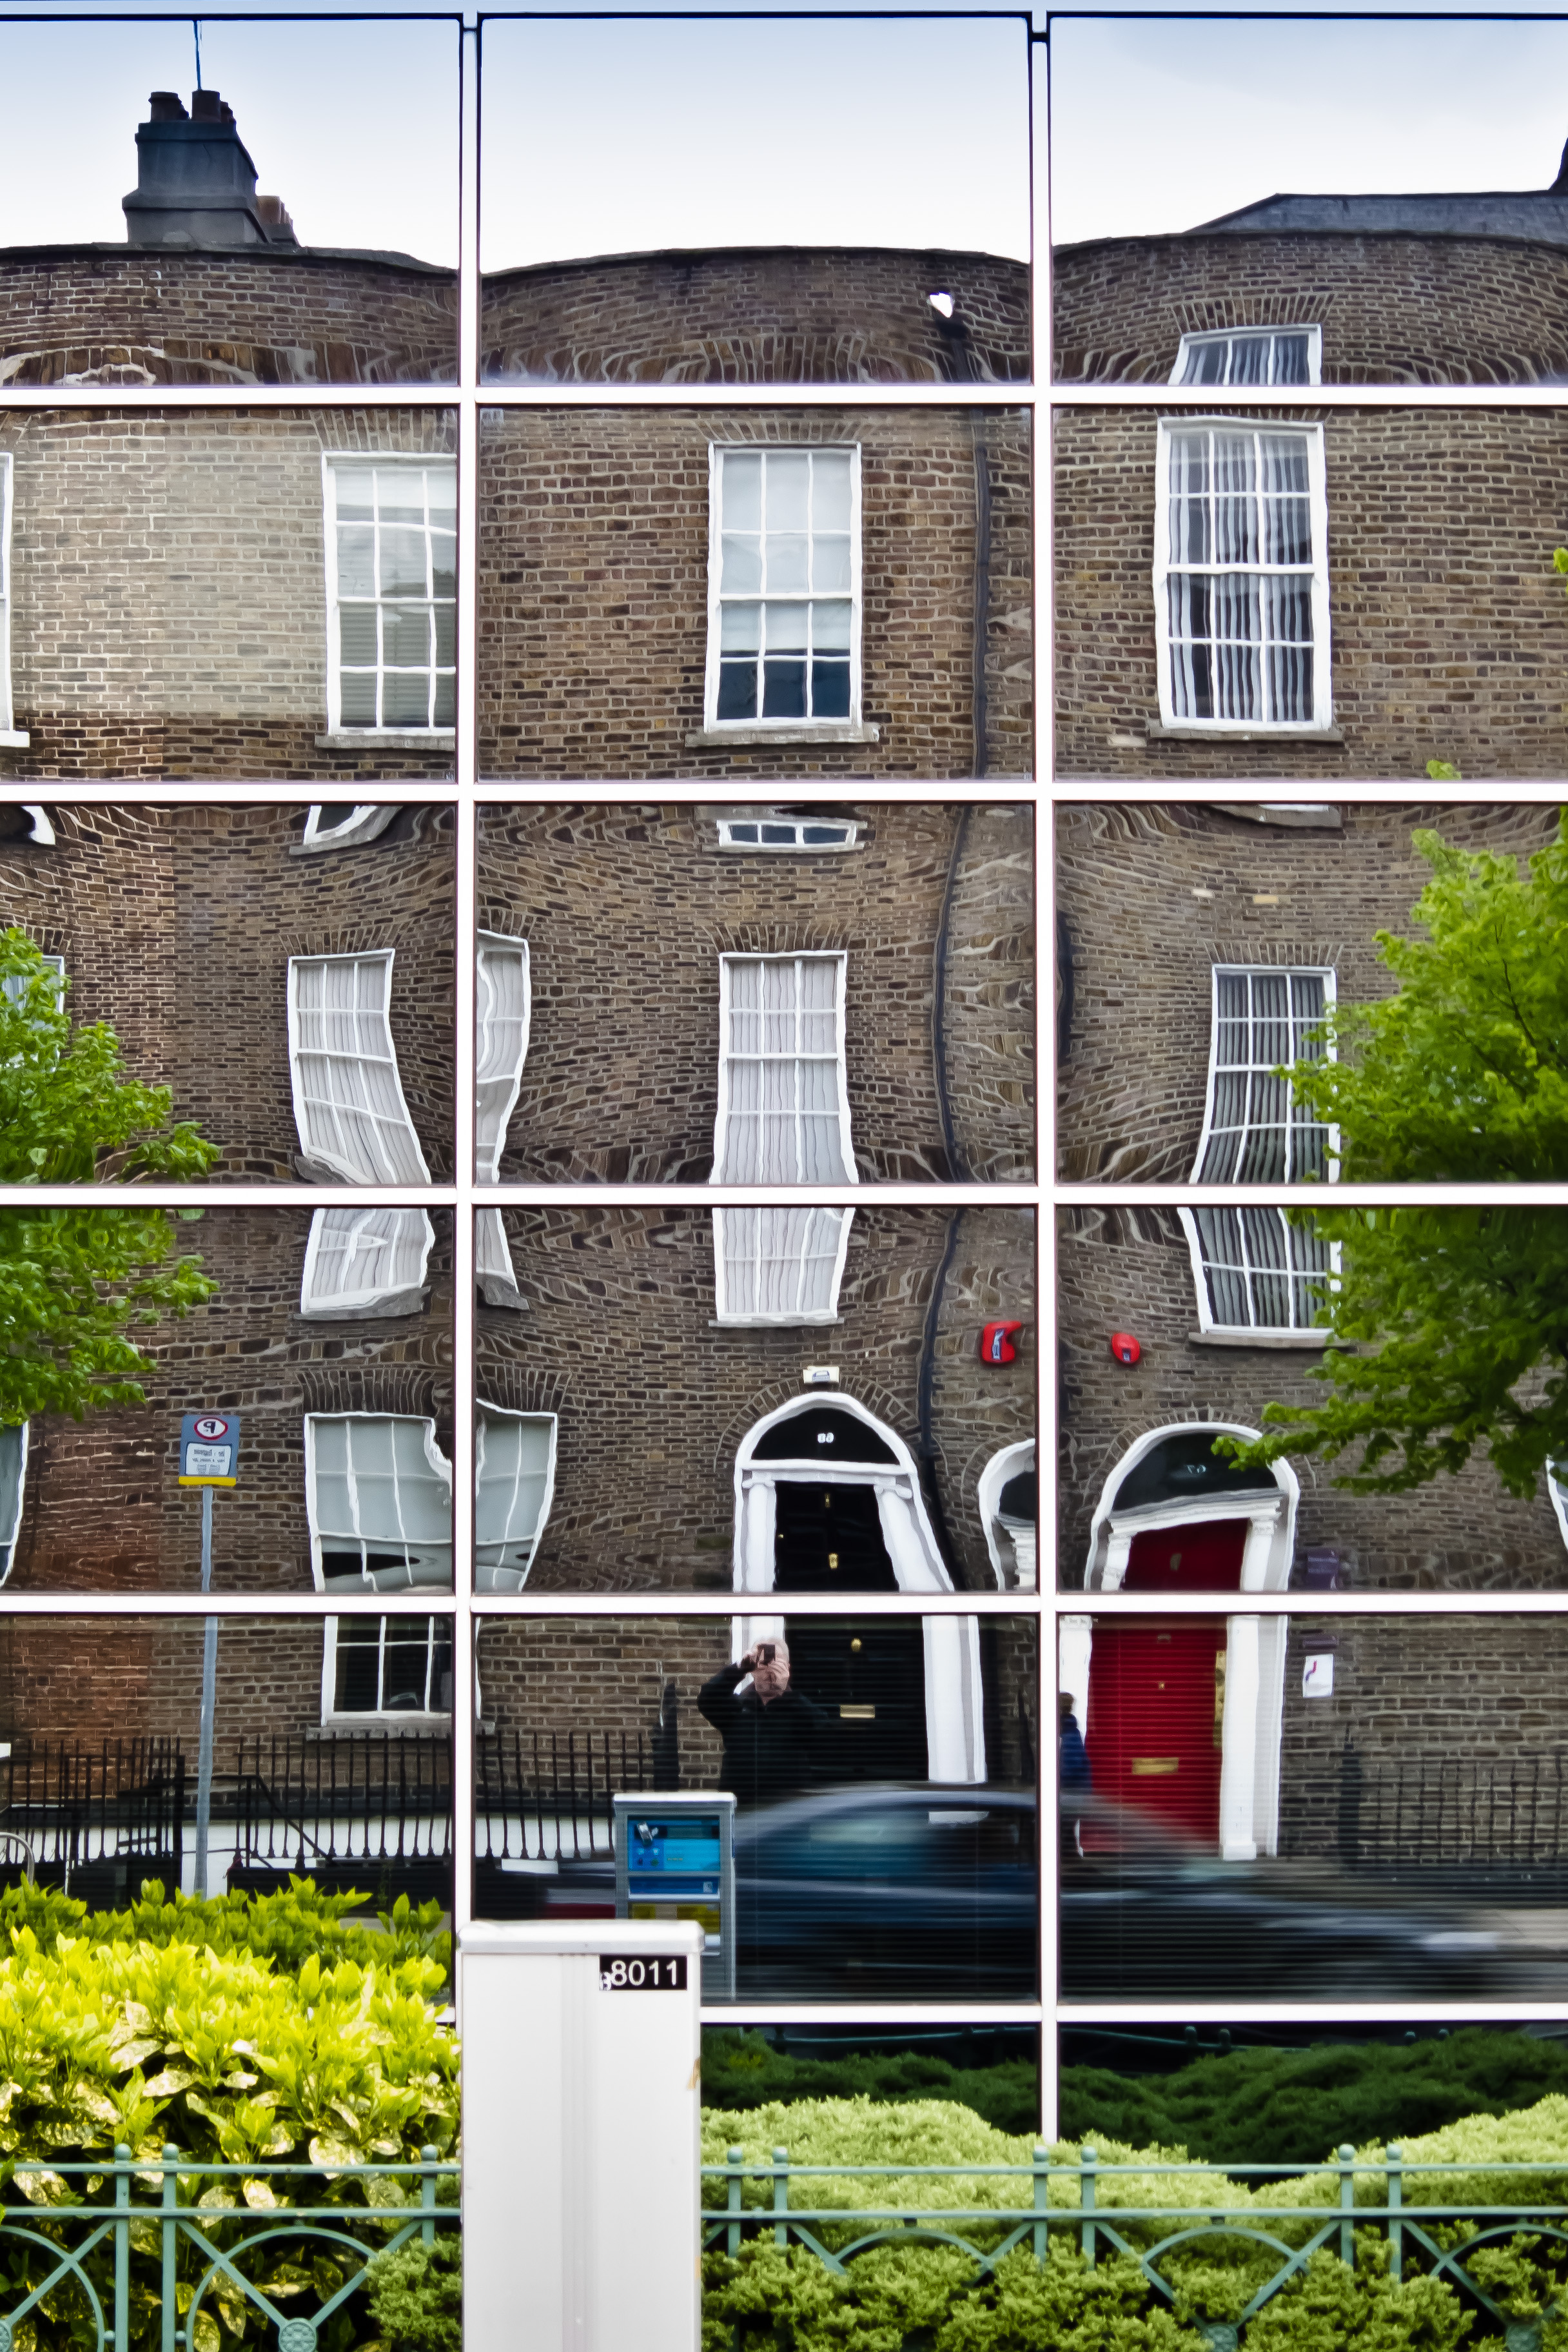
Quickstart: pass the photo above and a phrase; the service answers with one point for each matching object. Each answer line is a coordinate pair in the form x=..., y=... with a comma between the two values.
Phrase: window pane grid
x=1263, y=1272
x=396, y=623
x=348, y=1096
x=1256, y=1131
x=779, y=1265
x=1282, y=356
x=786, y=597
x=1239, y=592
x=356, y=1256
x=391, y=1665
x=782, y=1119
x=379, y=1499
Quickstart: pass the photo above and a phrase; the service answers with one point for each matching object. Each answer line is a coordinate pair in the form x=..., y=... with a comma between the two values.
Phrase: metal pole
x=209, y=1701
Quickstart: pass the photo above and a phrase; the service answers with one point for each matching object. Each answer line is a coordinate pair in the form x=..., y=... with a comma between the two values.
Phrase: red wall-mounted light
x=996, y=1343
x=1125, y=1348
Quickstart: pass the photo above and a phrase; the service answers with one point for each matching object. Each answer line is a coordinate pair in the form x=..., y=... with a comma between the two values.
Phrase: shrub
x=416, y=2296
x=745, y=2070
x=286, y=1927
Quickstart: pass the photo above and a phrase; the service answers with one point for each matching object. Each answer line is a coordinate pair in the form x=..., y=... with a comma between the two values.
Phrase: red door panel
x=1205, y=1558
x=1153, y=1721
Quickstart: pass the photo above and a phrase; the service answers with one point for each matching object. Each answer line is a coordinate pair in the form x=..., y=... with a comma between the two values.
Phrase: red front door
x=1154, y=1696
x=1205, y=1558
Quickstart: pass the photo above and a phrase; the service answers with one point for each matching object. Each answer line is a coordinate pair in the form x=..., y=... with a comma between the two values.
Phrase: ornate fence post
x=169, y=2231
x=121, y=2248
x=428, y=2157
x=1347, y=2205
x=781, y=2194
x=1394, y=2158
x=734, y=2158
x=1042, y=2186
x=1085, y=2199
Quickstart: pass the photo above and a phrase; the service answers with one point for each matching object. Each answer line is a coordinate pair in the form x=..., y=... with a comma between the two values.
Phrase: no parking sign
x=209, y=1449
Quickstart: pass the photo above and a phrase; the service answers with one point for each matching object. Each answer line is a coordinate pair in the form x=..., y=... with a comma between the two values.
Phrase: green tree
x=1452, y=1322
x=75, y=1283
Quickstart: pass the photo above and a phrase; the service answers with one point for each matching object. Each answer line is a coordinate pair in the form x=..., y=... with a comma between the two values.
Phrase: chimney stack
x=195, y=182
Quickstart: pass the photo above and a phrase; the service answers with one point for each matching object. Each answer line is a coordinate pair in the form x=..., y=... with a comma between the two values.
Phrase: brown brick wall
x=1394, y=308
x=169, y=594
x=618, y=1339
x=783, y=315
x=627, y=911
x=106, y=314
x=1127, y=1269
x=593, y=591
x=1144, y=943
x=1450, y=627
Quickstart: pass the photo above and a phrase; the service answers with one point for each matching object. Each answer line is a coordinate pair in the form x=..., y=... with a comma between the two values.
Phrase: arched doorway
x=1008, y=1501
x=827, y=1500
x=1185, y=1715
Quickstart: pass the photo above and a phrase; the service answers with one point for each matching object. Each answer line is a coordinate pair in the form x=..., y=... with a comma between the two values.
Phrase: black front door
x=829, y=1539
x=868, y=1674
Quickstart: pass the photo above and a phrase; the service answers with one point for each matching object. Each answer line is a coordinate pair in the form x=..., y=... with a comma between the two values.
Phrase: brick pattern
x=1394, y=308
x=1128, y=1269
x=110, y=315
x=779, y=315
x=1450, y=627
x=1155, y=895
x=594, y=593
x=169, y=593
x=627, y=910
x=618, y=1340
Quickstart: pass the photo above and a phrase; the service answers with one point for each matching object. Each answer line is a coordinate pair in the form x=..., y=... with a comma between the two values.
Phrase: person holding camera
x=772, y=1734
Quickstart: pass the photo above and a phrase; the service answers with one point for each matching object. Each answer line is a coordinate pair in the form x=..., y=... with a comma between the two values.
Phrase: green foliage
x=287, y=1928
x=417, y=2296
x=1456, y=1325
x=1443, y=771
x=1462, y=1074
x=1284, y=2107
x=744, y=2070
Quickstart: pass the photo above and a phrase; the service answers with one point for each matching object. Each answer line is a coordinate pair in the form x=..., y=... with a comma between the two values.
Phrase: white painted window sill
x=773, y=1322
x=14, y=739
x=829, y=731
x=388, y=738
x=1157, y=733
x=1260, y=1339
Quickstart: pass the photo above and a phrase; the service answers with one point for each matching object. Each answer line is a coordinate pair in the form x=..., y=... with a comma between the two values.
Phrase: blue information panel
x=673, y=1861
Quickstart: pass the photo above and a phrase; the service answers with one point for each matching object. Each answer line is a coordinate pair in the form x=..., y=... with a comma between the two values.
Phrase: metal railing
x=1086, y=2202
x=546, y=1797
x=91, y=1816
x=1469, y=1816
x=376, y=1808
x=148, y=2265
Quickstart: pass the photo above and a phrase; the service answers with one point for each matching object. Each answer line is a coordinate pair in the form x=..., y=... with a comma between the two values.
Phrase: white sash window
x=7, y=720
x=1252, y=355
x=779, y=1266
x=1255, y=1131
x=1255, y=1270
x=783, y=1102
x=366, y=1261
x=342, y=824
x=392, y=594
x=394, y=1666
x=348, y=1097
x=783, y=587
x=13, y=1481
x=1241, y=583
x=514, y=1480
x=503, y=1007
x=378, y=1497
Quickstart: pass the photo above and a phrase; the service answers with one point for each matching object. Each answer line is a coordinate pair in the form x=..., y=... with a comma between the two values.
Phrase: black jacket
x=770, y=1751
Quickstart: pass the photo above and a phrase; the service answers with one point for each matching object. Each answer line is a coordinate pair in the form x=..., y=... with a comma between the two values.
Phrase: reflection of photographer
x=772, y=1735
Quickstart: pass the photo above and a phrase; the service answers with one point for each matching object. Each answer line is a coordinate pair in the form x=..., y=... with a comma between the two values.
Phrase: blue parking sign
x=209, y=1449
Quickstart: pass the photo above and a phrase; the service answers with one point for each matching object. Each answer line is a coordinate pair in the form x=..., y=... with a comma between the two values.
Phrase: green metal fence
x=149, y=2252
x=1086, y=2202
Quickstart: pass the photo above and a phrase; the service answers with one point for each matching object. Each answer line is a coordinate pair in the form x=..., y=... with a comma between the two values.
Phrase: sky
x=1161, y=126
x=596, y=138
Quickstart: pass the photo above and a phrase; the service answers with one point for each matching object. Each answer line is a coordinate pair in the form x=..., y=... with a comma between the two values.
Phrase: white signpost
x=209, y=1457
x=581, y=2192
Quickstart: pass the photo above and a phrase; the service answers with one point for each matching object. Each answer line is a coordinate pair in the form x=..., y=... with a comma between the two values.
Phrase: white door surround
x=956, y=1723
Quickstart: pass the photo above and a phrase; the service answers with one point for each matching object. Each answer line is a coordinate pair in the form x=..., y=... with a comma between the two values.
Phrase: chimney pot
x=205, y=106
x=166, y=107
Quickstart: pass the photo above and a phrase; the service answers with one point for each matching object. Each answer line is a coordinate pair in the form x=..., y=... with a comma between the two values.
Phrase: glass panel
x=628, y=994
x=1238, y=1769
x=870, y=1801
x=199, y=275
x=895, y=253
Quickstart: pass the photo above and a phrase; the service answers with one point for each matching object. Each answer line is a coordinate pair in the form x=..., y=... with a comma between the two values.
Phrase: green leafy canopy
x=1453, y=1322
x=74, y=1283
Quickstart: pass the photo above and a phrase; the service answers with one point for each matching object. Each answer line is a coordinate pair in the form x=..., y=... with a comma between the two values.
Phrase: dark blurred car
x=922, y=1892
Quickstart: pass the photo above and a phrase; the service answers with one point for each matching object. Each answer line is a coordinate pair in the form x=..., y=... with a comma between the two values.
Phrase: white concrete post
x=1238, y=1768
x=582, y=2194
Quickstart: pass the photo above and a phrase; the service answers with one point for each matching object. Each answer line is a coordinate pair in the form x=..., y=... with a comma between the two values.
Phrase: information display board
x=675, y=1860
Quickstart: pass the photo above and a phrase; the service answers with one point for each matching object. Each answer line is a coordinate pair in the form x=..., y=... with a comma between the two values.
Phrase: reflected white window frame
x=1207, y=337
x=336, y=1164
x=498, y=1575
x=429, y=1719
x=8, y=729
x=723, y=1172
x=322, y=1538
x=492, y=1069
x=1296, y=1267
x=406, y=1719
x=15, y=984
x=412, y=1236
x=13, y=1493
x=786, y=1236
x=788, y=832
x=364, y=822
x=1256, y=1070
x=1557, y=1489
x=1004, y=1534
x=376, y=460
x=1168, y=567
x=718, y=452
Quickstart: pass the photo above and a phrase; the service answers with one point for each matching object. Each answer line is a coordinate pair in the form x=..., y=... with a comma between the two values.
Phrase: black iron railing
x=545, y=1796
x=95, y=1822
x=1507, y=1816
x=373, y=1811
